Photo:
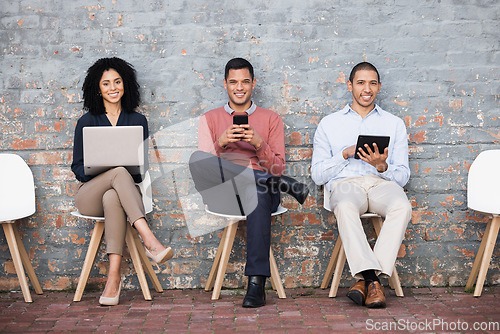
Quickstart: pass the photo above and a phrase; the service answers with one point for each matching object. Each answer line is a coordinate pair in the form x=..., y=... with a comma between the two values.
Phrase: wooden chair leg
x=94, y=244
x=275, y=276
x=391, y=281
x=211, y=277
x=27, y=264
x=377, y=224
x=479, y=258
x=136, y=260
x=16, y=259
x=331, y=264
x=226, y=251
x=488, y=251
x=271, y=279
x=338, y=270
x=395, y=283
x=146, y=263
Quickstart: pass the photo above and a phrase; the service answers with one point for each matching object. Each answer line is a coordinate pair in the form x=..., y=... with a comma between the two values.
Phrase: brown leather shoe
x=357, y=292
x=375, y=296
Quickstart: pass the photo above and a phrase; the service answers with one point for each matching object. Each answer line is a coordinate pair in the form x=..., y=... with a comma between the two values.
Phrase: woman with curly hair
x=111, y=95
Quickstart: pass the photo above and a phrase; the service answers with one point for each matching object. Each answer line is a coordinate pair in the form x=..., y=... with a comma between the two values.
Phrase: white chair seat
x=77, y=213
x=280, y=210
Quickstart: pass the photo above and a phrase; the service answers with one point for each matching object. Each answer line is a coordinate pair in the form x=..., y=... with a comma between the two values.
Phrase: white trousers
x=350, y=198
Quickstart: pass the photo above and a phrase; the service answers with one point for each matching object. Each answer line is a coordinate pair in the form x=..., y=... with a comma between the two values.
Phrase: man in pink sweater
x=238, y=169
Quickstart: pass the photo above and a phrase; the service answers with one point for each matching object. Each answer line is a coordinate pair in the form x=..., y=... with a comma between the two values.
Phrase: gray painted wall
x=438, y=62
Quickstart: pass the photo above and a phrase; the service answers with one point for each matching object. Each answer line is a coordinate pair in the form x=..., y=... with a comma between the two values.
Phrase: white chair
x=338, y=257
x=137, y=253
x=221, y=259
x=17, y=200
x=483, y=195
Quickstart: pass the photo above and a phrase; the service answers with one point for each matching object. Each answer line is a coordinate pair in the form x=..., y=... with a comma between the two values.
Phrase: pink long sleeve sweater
x=270, y=157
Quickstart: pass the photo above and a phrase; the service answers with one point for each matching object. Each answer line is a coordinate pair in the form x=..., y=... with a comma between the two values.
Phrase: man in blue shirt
x=374, y=182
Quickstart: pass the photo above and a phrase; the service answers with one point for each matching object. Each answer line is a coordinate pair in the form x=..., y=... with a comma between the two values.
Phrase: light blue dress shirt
x=340, y=130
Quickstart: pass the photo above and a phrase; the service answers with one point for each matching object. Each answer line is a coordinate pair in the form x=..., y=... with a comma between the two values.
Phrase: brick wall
x=438, y=62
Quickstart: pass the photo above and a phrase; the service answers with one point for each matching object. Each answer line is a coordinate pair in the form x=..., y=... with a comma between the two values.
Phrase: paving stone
x=316, y=313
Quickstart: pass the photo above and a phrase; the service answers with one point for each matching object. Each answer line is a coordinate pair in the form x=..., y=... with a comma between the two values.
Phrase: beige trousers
x=114, y=195
x=350, y=198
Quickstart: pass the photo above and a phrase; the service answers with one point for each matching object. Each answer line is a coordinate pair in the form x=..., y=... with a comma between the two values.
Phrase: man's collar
x=375, y=109
x=249, y=111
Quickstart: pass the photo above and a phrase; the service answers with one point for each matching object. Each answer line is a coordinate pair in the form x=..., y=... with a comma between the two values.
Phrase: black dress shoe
x=256, y=293
x=294, y=188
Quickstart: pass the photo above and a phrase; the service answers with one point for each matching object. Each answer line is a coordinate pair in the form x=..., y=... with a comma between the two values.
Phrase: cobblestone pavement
x=305, y=310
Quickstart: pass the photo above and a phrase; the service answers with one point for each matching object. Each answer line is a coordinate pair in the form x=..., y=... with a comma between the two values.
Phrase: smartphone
x=240, y=119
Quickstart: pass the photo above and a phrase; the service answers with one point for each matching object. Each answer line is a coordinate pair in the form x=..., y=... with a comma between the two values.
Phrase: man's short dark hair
x=92, y=99
x=363, y=66
x=238, y=64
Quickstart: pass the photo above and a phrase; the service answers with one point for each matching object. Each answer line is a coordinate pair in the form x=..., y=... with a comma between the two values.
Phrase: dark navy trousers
x=257, y=201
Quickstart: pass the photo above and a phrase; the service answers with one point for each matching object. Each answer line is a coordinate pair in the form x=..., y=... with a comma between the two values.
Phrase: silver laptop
x=105, y=147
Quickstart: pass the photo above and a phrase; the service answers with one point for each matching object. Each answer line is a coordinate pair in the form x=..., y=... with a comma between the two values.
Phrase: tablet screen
x=381, y=141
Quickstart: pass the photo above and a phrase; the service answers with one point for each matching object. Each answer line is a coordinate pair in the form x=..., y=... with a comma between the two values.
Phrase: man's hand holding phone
x=240, y=130
x=232, y=134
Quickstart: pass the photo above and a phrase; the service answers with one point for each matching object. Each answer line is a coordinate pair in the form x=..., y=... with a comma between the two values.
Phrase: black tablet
x=381, y=141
